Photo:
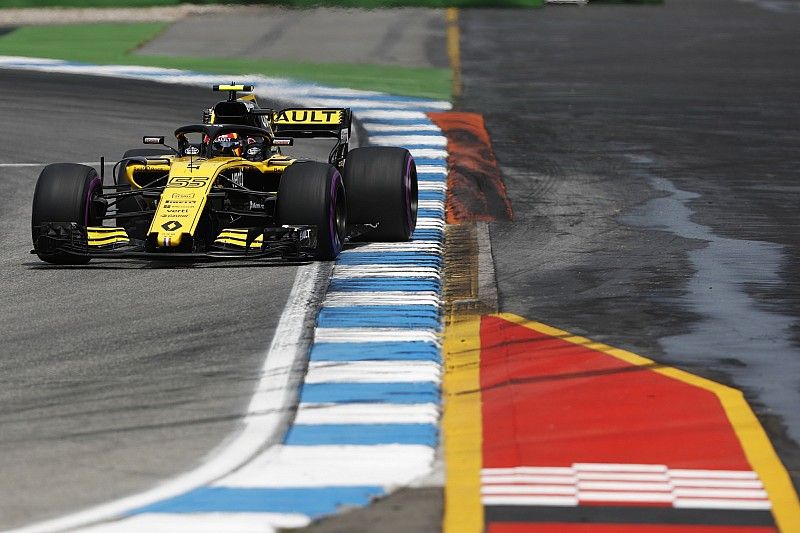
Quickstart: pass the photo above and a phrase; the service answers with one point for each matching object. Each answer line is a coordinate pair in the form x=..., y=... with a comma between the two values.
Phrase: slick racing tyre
x=135, y=227
x=313, y=194
x=381, y=185
x=64, y=193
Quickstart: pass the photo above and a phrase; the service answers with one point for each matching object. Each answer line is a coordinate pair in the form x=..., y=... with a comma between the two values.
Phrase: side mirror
x=152, y=140
x=282, y=141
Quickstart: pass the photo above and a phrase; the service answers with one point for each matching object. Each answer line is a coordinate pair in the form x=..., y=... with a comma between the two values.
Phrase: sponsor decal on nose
x=172, y=225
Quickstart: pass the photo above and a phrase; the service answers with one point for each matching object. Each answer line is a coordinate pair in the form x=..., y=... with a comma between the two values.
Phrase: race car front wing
x=296, y=243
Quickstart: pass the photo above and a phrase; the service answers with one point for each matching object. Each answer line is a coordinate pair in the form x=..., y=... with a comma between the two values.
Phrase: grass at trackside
x=91, y=43
x=112, y=43
x=405, y=81
x=291, y=3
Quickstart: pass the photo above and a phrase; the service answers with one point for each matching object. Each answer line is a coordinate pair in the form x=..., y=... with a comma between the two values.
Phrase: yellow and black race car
x=227, y=191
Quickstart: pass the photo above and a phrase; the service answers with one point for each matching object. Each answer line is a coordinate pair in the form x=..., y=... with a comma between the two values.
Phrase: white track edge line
x=266, y=418
x=244, y=438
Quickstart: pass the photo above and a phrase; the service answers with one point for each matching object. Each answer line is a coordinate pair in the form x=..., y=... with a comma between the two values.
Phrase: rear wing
x=311, y=122
x=316, y=122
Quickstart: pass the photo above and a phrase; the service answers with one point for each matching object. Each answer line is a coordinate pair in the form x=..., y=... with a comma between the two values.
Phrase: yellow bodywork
x=105, y=236
x=238, y=237
x=232, y=87
x=189, y=182
x=329, y=117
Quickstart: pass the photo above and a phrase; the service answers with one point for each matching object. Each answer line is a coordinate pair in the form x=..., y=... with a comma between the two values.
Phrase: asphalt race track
x=650, y=157
x=119, y=374
x=650, y=154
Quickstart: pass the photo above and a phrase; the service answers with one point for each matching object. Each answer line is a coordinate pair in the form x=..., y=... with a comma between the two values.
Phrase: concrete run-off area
x=64, y=15
x=400, y=37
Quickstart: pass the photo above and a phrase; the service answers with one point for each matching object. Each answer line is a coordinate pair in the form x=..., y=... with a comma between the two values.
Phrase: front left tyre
x=381, y=184
x=64, y=193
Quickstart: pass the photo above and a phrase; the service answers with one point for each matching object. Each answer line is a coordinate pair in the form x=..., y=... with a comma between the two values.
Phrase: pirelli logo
x=309, y=116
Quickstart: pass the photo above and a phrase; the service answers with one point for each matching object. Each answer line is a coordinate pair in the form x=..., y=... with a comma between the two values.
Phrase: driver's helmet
x=227, y=144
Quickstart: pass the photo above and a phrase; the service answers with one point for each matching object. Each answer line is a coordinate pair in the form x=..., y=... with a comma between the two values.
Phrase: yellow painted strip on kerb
x=454, y=49
x=755, y=443
x=462, y=425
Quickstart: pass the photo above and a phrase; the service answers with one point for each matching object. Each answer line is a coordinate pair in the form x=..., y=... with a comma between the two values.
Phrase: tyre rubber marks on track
x=546, y=431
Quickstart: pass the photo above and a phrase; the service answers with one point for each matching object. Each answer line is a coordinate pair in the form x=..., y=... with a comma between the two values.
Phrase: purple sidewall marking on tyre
x=410, y=223
x=96, y=181
x=332, y=226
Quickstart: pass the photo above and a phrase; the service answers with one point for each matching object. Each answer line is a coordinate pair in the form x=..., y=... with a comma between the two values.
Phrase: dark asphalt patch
x=410, y=509
x=627, y=515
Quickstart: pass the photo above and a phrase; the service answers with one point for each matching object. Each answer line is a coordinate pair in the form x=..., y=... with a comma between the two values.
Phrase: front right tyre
x=313, y=194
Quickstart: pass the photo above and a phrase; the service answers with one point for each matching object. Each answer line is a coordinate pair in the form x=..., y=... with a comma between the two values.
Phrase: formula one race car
x=227, y=191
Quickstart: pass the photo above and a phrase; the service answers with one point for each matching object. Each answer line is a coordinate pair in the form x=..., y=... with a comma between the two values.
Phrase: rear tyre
x=64, y=193
x=313, y=194
x=135, y=227
x=381, y=185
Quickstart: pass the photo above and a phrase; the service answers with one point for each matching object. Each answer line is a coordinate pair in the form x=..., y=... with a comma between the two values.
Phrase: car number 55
x=193, y=183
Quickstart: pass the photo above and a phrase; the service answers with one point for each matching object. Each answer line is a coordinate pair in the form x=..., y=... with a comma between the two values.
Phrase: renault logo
x=172, y=225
